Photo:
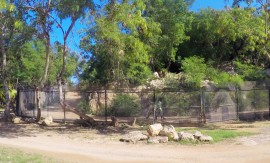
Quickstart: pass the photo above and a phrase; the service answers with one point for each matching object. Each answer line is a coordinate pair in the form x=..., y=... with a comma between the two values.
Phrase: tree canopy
x=123, y=42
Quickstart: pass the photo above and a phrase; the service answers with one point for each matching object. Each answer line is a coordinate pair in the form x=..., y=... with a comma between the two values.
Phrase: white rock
x=134, y=137
x=206, y=138
x=170, y=132
x=158, y=139
x=156, y=75
x=186, y=136
x=47, y=121
x=154, y=129
x=49, y=118
x=16, y=120
x=197, y=135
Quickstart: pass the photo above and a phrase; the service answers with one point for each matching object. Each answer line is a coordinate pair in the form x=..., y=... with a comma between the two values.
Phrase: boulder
x=170, y=132
x=153, y=140
x=47, y=121
x=16, y=120
x=186, y=136
x=154, y=129
x=134, y=137
x=197, y=135
x=206, y=138
x=156, y=75
x=49, y=118
x=158, y=139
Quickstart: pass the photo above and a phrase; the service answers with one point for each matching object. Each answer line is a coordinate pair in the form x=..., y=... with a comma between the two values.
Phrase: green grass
x=10, y=155
x=217, y=134
x=222, y=134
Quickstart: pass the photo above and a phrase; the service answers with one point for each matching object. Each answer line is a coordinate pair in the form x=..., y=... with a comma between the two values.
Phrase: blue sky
x=216, y=4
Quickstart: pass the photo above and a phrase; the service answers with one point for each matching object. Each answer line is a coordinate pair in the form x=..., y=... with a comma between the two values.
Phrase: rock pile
x=157, y=133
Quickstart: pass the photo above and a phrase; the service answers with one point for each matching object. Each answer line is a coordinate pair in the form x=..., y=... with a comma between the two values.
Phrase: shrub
x=138, y=73
x=125, y=105
x=84, y=107
x=196, y=70
x=249, y=71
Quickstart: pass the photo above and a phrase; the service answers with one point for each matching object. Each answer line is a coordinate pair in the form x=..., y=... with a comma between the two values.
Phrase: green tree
x=196, y=71
x=118, y=54
x=174, y=21
x=73, y=10
x=29, y=71
x=262, y=8
x=9, y=25
x=227, y=35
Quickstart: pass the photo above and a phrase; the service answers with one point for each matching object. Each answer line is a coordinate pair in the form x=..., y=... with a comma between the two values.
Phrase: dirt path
x=85, y=145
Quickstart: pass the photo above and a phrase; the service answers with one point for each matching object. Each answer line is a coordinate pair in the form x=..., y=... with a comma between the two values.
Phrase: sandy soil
x=76, y=144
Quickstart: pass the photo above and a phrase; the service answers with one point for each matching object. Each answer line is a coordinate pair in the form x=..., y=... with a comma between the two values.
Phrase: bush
x=196, y=70
x=249, y=72
x=138, y=73
x=84, y=107
x=125, y=105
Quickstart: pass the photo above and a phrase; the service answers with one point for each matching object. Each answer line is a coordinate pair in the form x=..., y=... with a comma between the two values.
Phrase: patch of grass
x=222, y=134
x=217, y=134
x=10, y=155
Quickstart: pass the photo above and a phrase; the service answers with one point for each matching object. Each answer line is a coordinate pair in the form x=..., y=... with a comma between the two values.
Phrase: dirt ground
x=80, y=145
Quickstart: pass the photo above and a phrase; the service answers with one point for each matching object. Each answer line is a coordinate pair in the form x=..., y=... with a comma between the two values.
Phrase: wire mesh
x=168, y=106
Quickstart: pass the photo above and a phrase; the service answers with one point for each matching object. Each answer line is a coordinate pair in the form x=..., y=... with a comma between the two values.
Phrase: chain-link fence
x=168, y=106
x=253, y=104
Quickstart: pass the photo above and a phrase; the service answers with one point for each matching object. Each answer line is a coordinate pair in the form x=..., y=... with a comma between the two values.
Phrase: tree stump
x=114, y=122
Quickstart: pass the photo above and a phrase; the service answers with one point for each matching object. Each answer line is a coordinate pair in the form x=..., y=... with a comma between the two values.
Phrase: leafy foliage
x=124, y=42
x=173, y=20
x=118, y=54
x=125, y=105
x=30, y=71
x=196, y=70
x=249, y=71
x=226, y=35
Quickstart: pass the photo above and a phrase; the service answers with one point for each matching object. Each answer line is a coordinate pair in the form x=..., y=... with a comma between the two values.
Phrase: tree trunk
x=45, y=73
x=38, y=105
x=88, y=119
x=5, y=83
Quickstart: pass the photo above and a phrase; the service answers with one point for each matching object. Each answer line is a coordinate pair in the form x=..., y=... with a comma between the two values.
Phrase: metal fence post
x=269, y=101
x=105, y=105
x=204, y=117
x=141, y=94
x=18, y=103
x=64, y=106
x=237, y=104
x=202, y=111
x=154, y=114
